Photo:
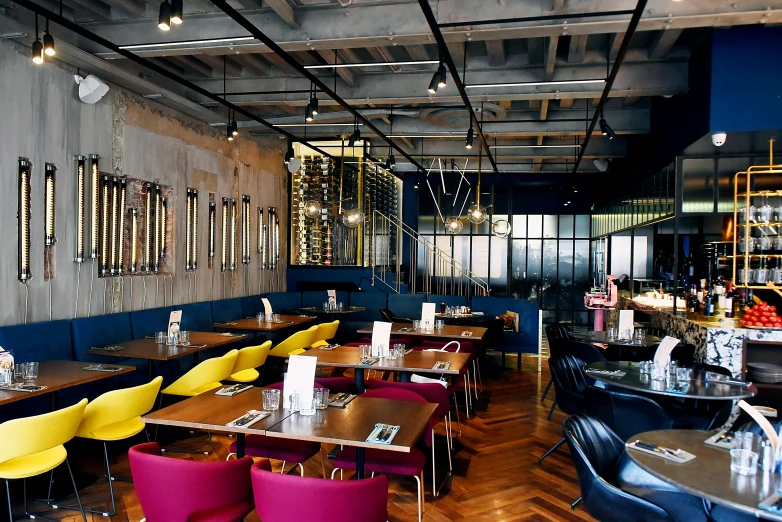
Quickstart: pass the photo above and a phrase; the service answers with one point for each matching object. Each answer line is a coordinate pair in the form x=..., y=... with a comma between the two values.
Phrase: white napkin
x=625, y=322
x=663, y=353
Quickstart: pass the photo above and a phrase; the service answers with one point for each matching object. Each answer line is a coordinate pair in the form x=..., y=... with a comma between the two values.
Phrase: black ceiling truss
x=290, y=60
x=546, y=18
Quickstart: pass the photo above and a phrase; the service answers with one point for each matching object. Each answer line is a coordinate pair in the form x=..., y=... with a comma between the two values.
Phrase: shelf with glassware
x=758, y=218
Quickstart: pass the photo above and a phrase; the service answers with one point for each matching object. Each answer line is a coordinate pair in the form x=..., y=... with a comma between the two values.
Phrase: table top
x=447, y=332
x=212, y=412
x=709, y=475
x=149, y=349
x=321, y=311
x=251, y=323
x=699, y=387
x=602, y=337
x=350, y=426
x=415, y=361
x=57, y=375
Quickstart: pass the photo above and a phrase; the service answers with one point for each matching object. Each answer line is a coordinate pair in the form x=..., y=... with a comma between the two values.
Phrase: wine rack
x=313, y=236
x=382, y=195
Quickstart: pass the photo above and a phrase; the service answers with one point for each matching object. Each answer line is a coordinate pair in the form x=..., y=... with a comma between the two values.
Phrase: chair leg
x=554, y=448
x=282, y=471
x=107, y=471
x=229, y=456
x=301, y=467
x=466, y=401
x=551, y=411
x=8, y=495
x=449, y=442
x=545, y=392
x=333, y=472
x=322, y=462
x=420, y=495
x=474, y=379
x=575, y=503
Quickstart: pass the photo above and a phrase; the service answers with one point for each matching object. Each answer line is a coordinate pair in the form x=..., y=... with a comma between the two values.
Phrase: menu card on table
x=174, y=320
x=758, y=417
x=267, y=306
x=626, y=323
x=381, y=338
x=427, y=314
x=332, y=296
x=663, y=353
x=300, y=379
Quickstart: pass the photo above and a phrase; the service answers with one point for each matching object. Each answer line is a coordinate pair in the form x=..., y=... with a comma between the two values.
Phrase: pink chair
x=455, y=347
x=380, y=461
x=180, y=490
x=295, y=451
x=283, y=498
x=435, y=394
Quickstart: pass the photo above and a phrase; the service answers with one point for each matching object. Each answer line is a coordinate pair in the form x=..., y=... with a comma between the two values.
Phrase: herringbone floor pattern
x=496, y=474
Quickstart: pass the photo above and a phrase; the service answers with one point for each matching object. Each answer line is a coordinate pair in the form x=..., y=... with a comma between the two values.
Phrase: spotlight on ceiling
x=390, y=162
x=176, y=12
x=354, y=138
x=441, y=73
x=309, y=114
x=470, y=136
x=438, y=79
x=601, y=164
x=314, y=104
x=48, y=42
x=37, y=53
x=606, y=129
x=229, y=133
x=234, y=128
x=91, y=88
x=164, y=17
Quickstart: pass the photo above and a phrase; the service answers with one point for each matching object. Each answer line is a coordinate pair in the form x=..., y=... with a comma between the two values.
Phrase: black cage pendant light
x=48, y=42
x=37, y=50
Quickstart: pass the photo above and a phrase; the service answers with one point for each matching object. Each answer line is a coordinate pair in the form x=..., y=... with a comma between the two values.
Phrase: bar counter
x=720, y=343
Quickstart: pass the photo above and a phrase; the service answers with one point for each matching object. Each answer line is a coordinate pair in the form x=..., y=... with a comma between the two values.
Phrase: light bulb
x=453, y=225
x=477, y=213
x=312, y=208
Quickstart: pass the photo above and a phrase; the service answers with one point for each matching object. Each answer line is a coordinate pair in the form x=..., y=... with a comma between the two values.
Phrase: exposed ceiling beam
x=96, y=7
x=191, y=62
x=254, y=62
x=551, y=55
x=565, y=103
x=577, y=48
x=663, y=42
x=496, y=52
x=284, y=11
x=133, y=7
x=343, y=72
x=418, y=52
x=616, y=43
x=380, y=54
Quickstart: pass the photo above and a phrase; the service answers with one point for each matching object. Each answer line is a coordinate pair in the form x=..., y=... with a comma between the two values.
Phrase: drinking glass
x=271, y=399
x=31, y=372
x=416, y=324
x=611, y=333
x=672, y=367
x=764, y=243
x=746, y=440
x=308, y=407
x=743, y=462
x=19, y=371
x=160, y=337
x=428, y=327
x=260, y=317
x=339, y=306
x=399, y=348
x=293, y=402
x=761, y=275
x=184, y=337
x=269, y=317
x=639, y=335
x=365, y=350
x=321, y=397
x=645, y=367
x=275, y=318
x=391, y=352
x=657, y=371
x=683, y=374
x=326, y=306
x=766, y=213
x=173, y=339
x=439, y=324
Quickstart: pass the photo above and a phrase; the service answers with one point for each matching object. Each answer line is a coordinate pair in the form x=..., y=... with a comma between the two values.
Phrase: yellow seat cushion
x=248, y=375
x=32, y=465
x=119, y=430
x=317, y=344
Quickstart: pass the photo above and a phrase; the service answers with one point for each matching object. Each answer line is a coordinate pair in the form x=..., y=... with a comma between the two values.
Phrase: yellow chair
x=325, y=332
x=32, y=446
x=247, y=362
x=298, y=341
x=204, y=377
x=116, y=415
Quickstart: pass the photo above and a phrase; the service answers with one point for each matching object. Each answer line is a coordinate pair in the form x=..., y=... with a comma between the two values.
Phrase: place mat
x=101, y=368
x=383, y=434
x=369, y=361
x=723, y=439
x=328, y=347
x=341, y=400
x=27, y=388
x=115, y=348
x=607, y=373
x=248, y=419
x=441, y=365
x=236, y=389
x=674, y=455
x=724, y=379
x=772, y=504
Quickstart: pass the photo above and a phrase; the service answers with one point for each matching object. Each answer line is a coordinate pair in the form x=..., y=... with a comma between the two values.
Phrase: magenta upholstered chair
x=381, y=461
x=286, y=498
x=180, y=490
x=459, y=347
x=295, y=451
x=435, y=394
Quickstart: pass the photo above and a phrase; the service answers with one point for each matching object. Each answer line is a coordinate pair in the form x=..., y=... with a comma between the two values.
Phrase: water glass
x=160, y=337
x=293, y=402
x=391, y=352
x=269, y=317
x=321, y=398
x=19, y=371
x=639, y=336
x=746, y=440
x=6, y=376
x=627, y=335
x=184, y=337
x=743, y=461
x=365, y=350
x=416, y=324
x=439, y=324
x=683, y=374
x=428, y=327
x=657, y=371
x=307, y=407
x=271, y=399
x=399, y=348
x=31, y=372
x=275, y=318
x=611, y=333
x=645, y=367
x=260, y=317
x=173, y=338
x=764, y=243
x=340, y=306
x=326, y=306
x=672, y=367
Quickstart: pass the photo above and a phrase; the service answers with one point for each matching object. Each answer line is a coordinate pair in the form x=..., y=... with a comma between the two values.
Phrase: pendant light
x=356, y=136
x=308, y=114
x=352, y=218
x=312, y=208
x=501, y=228
x=37, y=51
x=176, y=12
x=438, y=79
x=164, y=17
x=470, y=137
x=390, y=161
x=477, y=212
x=453, y=225
x=48, y=42
x=234, y=126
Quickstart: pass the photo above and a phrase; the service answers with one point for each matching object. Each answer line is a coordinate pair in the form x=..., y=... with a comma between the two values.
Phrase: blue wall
x=746, y=79
x=362, y=277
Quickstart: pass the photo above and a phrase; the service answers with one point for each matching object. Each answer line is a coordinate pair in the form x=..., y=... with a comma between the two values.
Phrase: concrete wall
x=44, y=120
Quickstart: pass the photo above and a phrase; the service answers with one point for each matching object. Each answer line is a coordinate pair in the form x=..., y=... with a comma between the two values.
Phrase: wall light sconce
x=105, y=213
x=245, y=229
x=260, y=237
x=146, y=264
x=123, y=197
x=114, y=224
x=133, y=240
x=81, y=166
x=163, y=221
x=50, y=174
x=191, y=243
x=157, y=252
x=224, y=238
x=212, y=226
x=94, y=205
x=232, y=253
x=23, y=220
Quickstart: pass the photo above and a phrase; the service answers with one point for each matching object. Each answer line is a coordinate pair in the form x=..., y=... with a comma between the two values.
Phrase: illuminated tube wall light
x=94, y=205
x=259, y=230
x=50, y=174
x=113, y=250
x=191, y=243
x=133, y=240
x=245, y=229
x=195, y=229
x=232, y=253
x=157, y=252
x=212, y=227
x=163, y=221
x=123, y=197
x=105, y=213
x=23, y=223
x=224, y=238
x=188, y=229
x=148, y=233
x=81, y=172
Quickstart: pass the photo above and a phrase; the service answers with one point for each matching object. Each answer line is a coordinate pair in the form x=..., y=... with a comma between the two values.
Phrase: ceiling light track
x=171, y=46
x=551, y=83
x=544, y=18
x=370, y=64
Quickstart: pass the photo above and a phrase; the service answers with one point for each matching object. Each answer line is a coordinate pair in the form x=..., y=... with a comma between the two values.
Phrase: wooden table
x=332, y=314
x=602, y=337
x=702, y=386
x=349, y=426
x=58, y=375
x=420, y=361
x=253, y=324
x=452, y=332
x=150, y=350
x=709, y=475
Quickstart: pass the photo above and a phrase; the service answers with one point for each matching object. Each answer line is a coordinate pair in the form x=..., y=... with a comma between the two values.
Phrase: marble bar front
x=718, y=343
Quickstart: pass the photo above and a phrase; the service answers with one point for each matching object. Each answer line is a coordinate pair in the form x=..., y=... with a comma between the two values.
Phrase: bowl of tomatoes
x=761, y=316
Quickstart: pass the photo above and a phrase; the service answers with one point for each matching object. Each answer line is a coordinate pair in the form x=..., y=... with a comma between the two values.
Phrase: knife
x=244, y=420
x=777, y=505
x=657, y=449
x=380, y=436
x=389, y=431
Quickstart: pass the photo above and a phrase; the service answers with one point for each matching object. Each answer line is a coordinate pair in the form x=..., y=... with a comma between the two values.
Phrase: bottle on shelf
x=708, y=303
x=730, y=295
x=693, y=303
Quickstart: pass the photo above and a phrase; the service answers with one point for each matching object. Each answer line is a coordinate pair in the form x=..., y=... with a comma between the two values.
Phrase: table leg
x=55, y=400
x=150, y=371
x=358, y=375
x=359, y=463
x=404, y=376
x=239, y=445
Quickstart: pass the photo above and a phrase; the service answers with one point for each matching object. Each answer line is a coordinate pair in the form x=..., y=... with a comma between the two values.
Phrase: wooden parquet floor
x=496, y=474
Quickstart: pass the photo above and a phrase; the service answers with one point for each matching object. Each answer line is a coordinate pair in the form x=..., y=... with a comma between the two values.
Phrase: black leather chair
x=600, y=459
x=626, y=414
x=587, y=352
x=684, y=354
x=556, y=334
x=390, y=317
x=569, y=384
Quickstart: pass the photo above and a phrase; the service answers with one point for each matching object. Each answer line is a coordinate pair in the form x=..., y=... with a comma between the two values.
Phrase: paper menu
x=299, y=379
x=758, y=417
x=174, y=320
x=427, y=314
x=381, y=338
x=267, y=306
x=332, y=296
x=663, y=353
x=626, y=323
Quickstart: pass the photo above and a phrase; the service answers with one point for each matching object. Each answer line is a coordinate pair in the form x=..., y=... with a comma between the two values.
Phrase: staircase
x=399, y=255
